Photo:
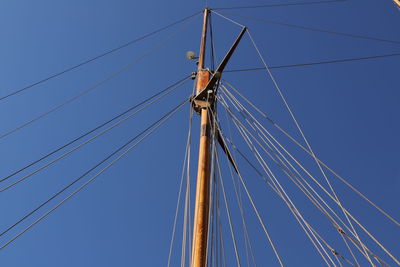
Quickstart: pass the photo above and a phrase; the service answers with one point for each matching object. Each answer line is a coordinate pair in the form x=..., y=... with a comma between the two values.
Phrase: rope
x=97, y=57
x=155, y=127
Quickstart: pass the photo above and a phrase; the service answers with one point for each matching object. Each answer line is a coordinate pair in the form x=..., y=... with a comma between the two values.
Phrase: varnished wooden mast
x=202, y=205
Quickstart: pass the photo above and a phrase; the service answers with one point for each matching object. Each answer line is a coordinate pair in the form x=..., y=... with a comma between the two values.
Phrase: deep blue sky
x=349, y=111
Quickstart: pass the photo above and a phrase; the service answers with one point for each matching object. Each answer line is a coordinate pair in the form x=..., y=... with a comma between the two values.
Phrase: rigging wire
x=212, y=54
x=258, y=158
x=98, y=56
x=270, y=174
x=215, y=160
x=290, y=111
x=316, y=63
x=259, y=217
x=256, y=210
x=90, y=88
x=293, y=177
x=212, y=174
x=221, y=246
x=186, y=233
x=173, y=86
x=186, y=221
x=212, y=259
x=313, y=200
x=220, y=255
x=248, y=245
x=227, y=210
x=357, y=36
x=282, y=165
x=151, y=129
x=238, y=195
x=280, y=4
x=349, y=214
x=228, y=19
x=188, y=189
x=308, y=152
x=265, y=179
x=276, y=190
x=339, y=229
x=84, y=143
x=78, y=179
x=304, y=138
x=273, y=186
x=212, y=256
x=179, y=197
x=281, y=191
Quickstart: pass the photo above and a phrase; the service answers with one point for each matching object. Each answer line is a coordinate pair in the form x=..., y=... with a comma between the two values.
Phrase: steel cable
x=280, y=5
x=97, y=57
x=149, y=131
x=315, y=63
x=82, y=144
x=90, y=88
x=94, y=129
x=357, y=36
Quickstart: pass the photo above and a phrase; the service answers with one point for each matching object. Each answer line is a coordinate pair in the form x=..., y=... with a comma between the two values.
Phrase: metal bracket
x=203, y=95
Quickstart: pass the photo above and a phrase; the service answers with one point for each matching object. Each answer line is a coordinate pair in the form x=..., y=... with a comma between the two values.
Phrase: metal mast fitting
x=206, y=96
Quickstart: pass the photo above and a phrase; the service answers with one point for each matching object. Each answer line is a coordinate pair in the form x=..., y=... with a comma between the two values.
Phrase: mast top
x=203, y=40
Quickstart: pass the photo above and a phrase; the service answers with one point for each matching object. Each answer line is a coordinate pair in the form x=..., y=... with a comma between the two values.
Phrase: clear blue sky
x=349, y=112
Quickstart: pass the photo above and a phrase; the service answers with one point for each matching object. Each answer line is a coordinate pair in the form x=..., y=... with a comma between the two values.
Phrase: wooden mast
x=202, y=204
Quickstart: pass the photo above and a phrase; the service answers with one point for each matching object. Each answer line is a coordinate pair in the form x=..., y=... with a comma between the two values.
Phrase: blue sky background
x=349, y=112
